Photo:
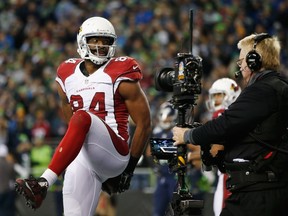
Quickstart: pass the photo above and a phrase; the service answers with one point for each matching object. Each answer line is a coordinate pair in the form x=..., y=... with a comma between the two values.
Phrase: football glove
x=120, y=183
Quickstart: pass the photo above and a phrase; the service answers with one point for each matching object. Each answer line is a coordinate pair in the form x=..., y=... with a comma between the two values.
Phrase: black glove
x=121, y=182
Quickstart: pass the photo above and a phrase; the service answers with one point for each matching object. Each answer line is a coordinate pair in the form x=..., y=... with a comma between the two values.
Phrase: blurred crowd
x=36, y=36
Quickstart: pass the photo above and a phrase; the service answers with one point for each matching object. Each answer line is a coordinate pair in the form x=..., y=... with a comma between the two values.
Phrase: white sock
x=50, y=176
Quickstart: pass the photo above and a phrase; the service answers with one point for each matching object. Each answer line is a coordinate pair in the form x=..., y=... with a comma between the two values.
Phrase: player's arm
x=139, y=111
x=65, y=106
x=138, y=108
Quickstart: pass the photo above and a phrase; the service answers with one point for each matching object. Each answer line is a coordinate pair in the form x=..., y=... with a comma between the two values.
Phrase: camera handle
x=183, y=202
x=181, y=152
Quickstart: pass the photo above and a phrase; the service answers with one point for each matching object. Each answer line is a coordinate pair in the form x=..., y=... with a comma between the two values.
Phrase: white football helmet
x=167, y=116
x=96, y=26
x=226, y=86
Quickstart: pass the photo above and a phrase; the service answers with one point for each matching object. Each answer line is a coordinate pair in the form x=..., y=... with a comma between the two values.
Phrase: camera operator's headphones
x=253, y=59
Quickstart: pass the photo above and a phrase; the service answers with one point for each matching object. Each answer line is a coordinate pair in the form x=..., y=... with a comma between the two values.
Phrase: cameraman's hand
x=215, y=148
x=178, y=135
x=194, y=156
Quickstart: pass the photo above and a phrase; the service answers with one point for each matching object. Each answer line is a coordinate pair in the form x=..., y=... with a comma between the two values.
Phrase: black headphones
x=253, y=59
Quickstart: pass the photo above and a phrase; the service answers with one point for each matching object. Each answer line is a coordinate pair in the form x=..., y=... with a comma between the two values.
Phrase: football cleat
x=33, y=190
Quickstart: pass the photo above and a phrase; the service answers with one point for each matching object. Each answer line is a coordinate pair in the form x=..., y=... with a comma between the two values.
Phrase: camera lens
x=164, y=79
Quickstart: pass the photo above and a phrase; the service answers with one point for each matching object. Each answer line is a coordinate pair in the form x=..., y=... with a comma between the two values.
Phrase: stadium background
x=36, y=36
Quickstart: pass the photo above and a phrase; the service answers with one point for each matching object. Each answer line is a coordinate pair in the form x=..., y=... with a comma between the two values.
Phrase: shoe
x=33, y=190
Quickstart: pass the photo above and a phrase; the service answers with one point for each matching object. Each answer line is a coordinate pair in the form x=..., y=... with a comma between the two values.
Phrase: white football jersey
x=98, y=92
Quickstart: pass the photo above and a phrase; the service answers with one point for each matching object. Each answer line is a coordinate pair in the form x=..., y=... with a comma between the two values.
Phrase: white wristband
x=50, y=176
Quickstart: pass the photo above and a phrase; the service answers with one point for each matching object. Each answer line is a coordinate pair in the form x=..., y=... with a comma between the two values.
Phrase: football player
x=98, y=92
x=222, y=93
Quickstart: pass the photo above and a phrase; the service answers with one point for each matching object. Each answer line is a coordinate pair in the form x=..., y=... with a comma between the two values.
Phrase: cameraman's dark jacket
x=258, y=117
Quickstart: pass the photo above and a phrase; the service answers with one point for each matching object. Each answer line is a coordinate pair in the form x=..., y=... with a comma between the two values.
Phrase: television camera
x=184, y=81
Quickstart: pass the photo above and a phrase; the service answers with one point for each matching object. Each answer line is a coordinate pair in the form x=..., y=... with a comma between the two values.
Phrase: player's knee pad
x=81, y=119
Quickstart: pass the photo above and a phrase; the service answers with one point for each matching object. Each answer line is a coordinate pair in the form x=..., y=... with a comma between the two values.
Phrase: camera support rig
x=184, y=82
x=182, y=202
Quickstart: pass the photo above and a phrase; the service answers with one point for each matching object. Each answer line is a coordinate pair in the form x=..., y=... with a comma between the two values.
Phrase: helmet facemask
x=212, y=104
x=96, y=27
x=225, y=86
x=98, y=54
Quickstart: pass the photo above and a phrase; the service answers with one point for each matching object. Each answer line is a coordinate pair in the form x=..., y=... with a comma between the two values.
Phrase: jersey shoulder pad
x=67, y=68
x=124, y=66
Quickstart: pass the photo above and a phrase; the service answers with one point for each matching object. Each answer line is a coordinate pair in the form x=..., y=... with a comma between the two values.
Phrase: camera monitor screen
x=163, y=148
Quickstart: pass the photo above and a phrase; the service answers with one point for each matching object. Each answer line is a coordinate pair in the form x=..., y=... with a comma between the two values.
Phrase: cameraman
x=252, y=130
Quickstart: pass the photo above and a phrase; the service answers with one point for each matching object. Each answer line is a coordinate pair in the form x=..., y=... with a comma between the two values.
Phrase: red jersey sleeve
x=124, y=67
x=67, y=68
